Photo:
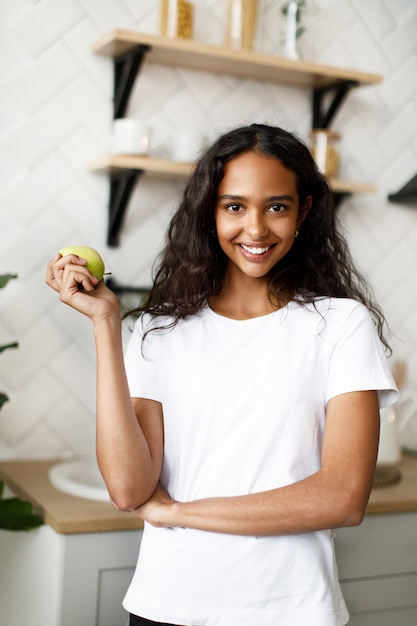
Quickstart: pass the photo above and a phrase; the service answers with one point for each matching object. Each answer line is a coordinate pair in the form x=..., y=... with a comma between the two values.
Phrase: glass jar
x=241, y=24
x=324, y=152
x=176, y=18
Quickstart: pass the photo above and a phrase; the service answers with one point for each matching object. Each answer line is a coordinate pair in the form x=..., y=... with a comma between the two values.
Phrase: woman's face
x=257, y=213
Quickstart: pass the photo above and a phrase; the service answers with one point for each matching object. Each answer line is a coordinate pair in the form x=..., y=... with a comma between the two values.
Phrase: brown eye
x=277, y=208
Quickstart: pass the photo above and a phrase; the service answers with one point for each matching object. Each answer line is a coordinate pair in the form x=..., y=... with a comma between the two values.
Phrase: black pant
x=141, y=621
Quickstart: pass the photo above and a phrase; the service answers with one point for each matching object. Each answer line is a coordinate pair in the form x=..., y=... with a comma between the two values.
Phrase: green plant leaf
x=300, y=4
x=7, y=346
x=4, y=279
x=3, y=399
x=17, y=514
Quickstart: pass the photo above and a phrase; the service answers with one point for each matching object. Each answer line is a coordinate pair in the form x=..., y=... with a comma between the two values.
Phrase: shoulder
x=335, y=316
x=337, y=308
x=160, y=325
x=332, y=309
x=349, y=324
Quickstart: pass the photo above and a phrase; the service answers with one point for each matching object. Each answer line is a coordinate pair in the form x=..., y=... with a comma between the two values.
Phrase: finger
x=56, y=267
x=74, y=259
x=51, y=271
x=75, y=277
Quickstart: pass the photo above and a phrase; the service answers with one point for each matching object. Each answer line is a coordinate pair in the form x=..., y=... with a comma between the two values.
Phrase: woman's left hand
x=158, y=510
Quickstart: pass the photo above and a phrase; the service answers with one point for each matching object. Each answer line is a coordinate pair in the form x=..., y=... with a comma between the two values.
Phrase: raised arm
x=129, y=433
x=333, y=497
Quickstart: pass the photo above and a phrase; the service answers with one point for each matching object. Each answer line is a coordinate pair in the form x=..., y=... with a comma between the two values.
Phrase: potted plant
x=15, y=514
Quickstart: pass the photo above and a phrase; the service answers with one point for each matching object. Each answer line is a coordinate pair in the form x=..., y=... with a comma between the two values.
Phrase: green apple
x=94, y=261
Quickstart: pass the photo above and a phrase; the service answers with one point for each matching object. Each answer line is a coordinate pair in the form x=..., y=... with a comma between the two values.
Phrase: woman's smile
x=257, y=252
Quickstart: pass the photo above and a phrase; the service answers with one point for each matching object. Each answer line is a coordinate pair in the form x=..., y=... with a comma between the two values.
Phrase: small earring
x=296, y=234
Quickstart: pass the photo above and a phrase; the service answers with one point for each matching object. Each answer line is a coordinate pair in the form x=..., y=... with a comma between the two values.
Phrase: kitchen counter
x=400, y=497
x=64, y=513
x=68, y=514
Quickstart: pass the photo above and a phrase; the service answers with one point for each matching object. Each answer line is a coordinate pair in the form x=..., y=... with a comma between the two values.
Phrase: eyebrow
x=283, y=197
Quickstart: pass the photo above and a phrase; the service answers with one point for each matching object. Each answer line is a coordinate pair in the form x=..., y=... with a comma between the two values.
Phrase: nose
x=256, y=226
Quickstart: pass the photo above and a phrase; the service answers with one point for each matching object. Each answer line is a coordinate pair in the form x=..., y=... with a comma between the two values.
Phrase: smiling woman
x=252, y=380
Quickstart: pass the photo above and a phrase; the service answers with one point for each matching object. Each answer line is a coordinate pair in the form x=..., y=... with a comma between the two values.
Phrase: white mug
x=186, y=145
x=130, y=136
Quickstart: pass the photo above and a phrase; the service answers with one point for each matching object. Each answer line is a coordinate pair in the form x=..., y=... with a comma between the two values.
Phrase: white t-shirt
x=244, y=410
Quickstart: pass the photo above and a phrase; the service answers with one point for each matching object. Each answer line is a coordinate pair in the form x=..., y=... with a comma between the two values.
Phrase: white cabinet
x=51, y=579
x=378, y=570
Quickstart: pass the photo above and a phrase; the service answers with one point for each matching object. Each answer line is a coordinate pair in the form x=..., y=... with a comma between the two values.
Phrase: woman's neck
x=245, y=300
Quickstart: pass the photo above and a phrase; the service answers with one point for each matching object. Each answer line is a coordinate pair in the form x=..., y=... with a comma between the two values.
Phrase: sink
x=79, y=477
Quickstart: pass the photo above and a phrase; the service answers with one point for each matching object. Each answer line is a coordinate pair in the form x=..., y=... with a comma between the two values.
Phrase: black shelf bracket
x=407, y=194
x=130, y=297
x=338, y=197
x=323, y=118
x=126, y=69
x=121, y=187
x=120, y=289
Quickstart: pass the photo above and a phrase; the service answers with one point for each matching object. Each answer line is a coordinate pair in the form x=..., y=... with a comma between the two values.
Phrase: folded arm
x=333, y=497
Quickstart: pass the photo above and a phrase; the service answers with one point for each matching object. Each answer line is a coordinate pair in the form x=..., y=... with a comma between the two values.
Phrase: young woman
x=242, y=423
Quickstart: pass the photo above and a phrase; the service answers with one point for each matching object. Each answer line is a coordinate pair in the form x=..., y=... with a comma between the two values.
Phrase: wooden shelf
x=329, y=85
x=222, y=60
x=350, y=187
x=112, y=164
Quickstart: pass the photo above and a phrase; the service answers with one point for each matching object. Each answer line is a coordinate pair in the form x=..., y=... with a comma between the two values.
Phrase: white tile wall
x=42, y=24
x=55, y=115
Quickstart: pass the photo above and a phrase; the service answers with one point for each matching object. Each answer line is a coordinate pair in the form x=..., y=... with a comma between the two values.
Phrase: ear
x=304, y=211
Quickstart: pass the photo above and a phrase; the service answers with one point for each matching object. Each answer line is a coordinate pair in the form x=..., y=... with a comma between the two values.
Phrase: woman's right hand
x=80, y=289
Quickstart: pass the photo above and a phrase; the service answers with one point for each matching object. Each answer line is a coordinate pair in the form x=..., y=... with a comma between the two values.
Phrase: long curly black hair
x=192, y=265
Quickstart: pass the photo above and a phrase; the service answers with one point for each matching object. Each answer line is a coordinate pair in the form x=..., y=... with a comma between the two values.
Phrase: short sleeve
x=141, y=364
x=358, y=361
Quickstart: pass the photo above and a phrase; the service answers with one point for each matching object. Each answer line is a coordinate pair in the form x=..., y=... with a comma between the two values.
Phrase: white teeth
x=255, y=250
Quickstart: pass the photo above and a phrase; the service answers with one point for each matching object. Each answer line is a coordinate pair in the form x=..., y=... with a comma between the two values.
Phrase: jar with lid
x=324, y=152
x=176, y=18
